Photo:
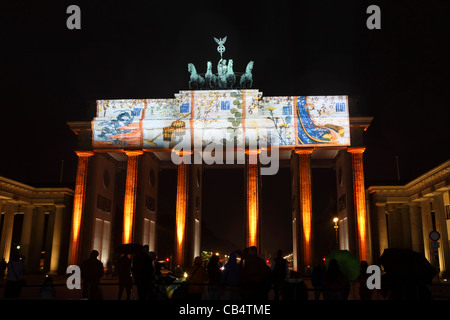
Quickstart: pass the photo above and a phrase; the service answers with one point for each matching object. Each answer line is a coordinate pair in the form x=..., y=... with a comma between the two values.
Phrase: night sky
x=140, y=49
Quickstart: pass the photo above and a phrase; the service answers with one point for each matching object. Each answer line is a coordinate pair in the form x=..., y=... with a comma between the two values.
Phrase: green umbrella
x=348, y=263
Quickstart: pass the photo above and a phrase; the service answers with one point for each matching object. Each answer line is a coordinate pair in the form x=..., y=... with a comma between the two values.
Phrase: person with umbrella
x=347, y=265
x=142, y=269
x=334, y=284
x=124, y=272
x=407, y=275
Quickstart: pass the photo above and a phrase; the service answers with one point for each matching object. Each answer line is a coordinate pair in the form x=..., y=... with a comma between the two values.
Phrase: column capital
x=134, y=152
x=303, y=150
x=252, y=151
x=183, y=152
x=84, y=153
x=380, y=204
x=356, y=149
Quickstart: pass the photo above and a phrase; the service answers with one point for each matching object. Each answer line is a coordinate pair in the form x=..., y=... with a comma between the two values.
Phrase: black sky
x=140, y=49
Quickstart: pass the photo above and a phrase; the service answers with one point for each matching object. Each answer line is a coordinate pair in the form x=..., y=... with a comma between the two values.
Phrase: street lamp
x=336, y=227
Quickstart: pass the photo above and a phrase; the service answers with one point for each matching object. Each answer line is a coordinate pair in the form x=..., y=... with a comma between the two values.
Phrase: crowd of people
x=249, y=279
x=245, y=276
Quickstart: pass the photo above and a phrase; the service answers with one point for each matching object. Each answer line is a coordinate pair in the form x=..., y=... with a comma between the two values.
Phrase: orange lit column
x=78, y=204
x=129, y=206
x=181, y=212
x=359, y=199
x=305, y=204
x=252, y=174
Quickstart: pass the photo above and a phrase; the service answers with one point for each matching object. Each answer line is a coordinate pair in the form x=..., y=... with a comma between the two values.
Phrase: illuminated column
x=416, y=227
x=129, y=206
x=78, y=204
x=181, y=212
x=8, y=225
x=304, y=165
x=57, y=237
x=252, y=174
x=27, y=225
x=381, y=227
x=359, y=200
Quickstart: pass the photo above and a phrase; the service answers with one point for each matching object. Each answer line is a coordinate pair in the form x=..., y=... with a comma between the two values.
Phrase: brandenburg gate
x=121, y=152
x=220, y=120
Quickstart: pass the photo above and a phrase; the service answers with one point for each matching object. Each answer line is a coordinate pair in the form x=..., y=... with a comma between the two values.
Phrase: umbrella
x=409, y=263
x=129, y=248
x=348, y=263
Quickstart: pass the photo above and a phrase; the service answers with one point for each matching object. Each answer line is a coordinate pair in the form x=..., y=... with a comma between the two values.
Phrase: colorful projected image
x=322, y=120
x=229, y=117
x=120, y=126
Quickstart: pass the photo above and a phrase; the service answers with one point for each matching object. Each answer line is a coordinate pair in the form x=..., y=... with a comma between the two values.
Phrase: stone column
x=37, y=237
x=252, y=176
x=359, y=198
x=25, y=239
x=57, y=238
x=129, y=206
x=382, y=227
x=415, y=220
x=304, y=165
x=395, y=226
x=405, y=221
x=78, y=204
x=181, y=212
x=441, y=226
x=426, y=228
x=8, y=225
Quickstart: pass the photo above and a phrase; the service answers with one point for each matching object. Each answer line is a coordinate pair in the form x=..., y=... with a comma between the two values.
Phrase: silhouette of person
x=197, y=276
x=142, y=272
x=364, y=292
x=14, y=276
x=318, y=278
x=153, y=274
x=109, y=268
x=214, y=278
x=2, y=269
x=231, y=277
x=91, y=273
x=255, y=276
x=280, y=271
x=334, y=284
x=124, y=273
x=47, y=290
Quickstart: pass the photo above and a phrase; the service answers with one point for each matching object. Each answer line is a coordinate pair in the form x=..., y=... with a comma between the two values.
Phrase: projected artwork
x=229, y=117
